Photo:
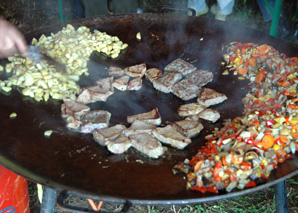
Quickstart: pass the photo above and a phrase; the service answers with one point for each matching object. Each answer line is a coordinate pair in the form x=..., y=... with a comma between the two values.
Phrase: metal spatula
x=36, y=56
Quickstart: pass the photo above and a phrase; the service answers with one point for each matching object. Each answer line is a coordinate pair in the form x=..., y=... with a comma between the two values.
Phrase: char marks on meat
x=153, y=73
x=200, y=77
x=138, y=127
x=110, y=133
x=93, y=94
x=96, y=119
x=121, y=83
x=181, y=66
x=166, y=80
x=120, y=145
x=136, y=70
x=106, y=84
x=135, y=84
x=186, y=90
x=190, y=109
x=209, y=115
x=188, y=128
x=169, y=135
x=147, y=144
x=73, y=108
x=210, y=97
x=152, y=117
x=115, y=71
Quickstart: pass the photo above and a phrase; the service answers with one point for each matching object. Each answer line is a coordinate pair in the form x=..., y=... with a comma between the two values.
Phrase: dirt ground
x=36, y=14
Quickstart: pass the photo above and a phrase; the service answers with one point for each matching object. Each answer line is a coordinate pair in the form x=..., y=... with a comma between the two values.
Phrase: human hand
x=11, y=40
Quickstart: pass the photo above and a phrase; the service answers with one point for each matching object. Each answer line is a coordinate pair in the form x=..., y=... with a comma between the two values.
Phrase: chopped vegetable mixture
x=246, y=149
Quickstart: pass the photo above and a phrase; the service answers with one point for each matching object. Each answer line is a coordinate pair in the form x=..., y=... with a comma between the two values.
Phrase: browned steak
x=136, y=70
x=73, y=108
x=166, y=80
x=190, y=109
x=110, y=133
x=120, y=145
x=106, y=84
x=138, y=127
x=93, y=94
x=200, y=77
x=188, y=128
x=181, y=66
x=152, y=117
x=121, y=83
x=169, y=135
x=96, y=119
x=210, y=97
x=185, y=89
x=209, y=115
x=135, y=84
x=115, y=71
x=153, y=73
x=147, y=144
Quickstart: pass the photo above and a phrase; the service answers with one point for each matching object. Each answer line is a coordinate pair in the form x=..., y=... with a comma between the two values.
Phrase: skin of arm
x=11, y=40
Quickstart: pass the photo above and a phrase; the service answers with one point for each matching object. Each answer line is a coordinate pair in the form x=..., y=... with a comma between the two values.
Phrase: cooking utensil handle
x=165, y=8
x=66, y=194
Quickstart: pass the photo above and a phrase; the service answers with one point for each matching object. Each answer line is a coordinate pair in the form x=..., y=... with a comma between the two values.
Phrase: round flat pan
x=74, y=162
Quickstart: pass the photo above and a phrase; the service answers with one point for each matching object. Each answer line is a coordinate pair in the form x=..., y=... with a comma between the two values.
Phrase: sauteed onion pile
x=70, y=47
x=246, y=149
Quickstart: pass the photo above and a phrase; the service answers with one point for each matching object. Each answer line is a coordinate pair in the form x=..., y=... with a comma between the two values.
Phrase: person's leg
x=267, y=16
x=199, y=6
x=79, y=9
x=95, y=7
x=225, y=7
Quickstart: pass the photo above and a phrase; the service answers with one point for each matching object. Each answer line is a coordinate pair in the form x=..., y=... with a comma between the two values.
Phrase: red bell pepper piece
x=250, y=184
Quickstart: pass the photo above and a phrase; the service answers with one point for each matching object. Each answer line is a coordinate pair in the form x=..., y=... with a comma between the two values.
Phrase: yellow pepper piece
x=276, y=147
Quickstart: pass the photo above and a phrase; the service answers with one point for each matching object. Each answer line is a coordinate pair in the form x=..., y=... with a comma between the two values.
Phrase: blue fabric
x=267, y=16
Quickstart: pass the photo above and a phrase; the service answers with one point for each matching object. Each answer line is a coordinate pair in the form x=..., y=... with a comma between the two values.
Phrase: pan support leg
x=281, y=201
x=48, y=200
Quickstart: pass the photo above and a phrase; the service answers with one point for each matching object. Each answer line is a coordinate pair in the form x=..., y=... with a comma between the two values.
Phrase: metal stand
x=48, y=200
x=281, y=201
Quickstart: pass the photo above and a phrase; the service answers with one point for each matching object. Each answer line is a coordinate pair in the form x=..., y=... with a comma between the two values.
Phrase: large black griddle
x=74, y=162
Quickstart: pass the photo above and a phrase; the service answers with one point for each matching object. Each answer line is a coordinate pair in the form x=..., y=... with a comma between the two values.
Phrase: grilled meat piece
x=186, y=90
x=115, y=71
x=200, y=77
x=153, y=73
x=166, y=80
x=138, y=127
x=192, y=118
x=120, y=145
x=121, y=83
x=136, y=70
x=169, y=135
x=152, y=117
x=93, y=94
x=110, y=133
x=210, y=97
x=73, y=124
x=96, y=119
x=188, y=128
x=190, y=109
x=181, y=66
x=135, y=84
x=73, y=108
x=106, y=84
x=209, y=115
x=147, y=144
